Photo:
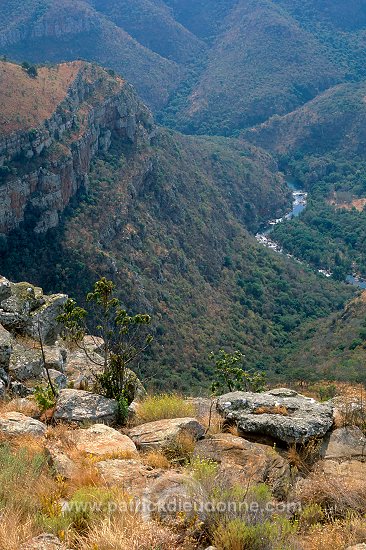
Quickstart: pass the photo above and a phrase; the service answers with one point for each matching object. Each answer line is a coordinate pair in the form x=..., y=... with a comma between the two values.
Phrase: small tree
x=230, y=374
x=125, y=338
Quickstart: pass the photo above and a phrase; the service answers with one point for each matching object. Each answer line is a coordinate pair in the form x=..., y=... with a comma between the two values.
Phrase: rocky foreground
x=305, y=452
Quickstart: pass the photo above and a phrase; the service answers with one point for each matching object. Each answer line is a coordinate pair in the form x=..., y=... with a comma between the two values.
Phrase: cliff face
x=42, y=168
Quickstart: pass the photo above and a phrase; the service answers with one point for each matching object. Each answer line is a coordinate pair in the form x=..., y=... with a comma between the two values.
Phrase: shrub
x=270, y=535
x=45, y=398
x=160, y=407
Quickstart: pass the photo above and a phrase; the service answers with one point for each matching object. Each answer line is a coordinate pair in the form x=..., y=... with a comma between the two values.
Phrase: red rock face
x=55, y=159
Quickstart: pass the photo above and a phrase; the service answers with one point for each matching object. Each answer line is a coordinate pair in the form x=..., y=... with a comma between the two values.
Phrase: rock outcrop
x=157, y=434
x=243, y=462
x=14, y=424
x=58, y=152
x=281, y=415
x=83, y=406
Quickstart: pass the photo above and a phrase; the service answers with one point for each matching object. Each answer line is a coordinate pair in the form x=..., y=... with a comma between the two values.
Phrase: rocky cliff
x=43, y=166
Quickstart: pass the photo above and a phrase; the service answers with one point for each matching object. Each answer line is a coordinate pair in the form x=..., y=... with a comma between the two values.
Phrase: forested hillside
x=206, y=67
x=168, y=218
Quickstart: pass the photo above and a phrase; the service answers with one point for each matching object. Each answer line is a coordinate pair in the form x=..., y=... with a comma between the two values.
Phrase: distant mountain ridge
x=207, y=66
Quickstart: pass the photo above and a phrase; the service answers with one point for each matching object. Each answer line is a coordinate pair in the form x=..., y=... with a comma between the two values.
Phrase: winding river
x=299, y=203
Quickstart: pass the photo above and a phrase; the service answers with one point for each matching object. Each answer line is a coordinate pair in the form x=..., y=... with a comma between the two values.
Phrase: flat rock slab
x=82, y=406
x=157, y=434
x=344, y=443
x=101, y=440
x=242, y=461
x=129, y=475
x=279, y=415
x=14, y=424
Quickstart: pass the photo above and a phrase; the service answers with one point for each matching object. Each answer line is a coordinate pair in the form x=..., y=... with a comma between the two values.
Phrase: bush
x=270, y=535
x=160, y=407
x=45, y=398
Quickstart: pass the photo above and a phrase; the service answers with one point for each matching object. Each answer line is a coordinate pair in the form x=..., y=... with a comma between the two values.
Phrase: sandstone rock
x=25, y=363
x=5, y=348
x=157, y=434
x=281, y=415
x=14, y=423
x=58, y=379
x=44, y=542
x=241, y=461
x=61, y=462
x=171, y=494
x=129, y=475
x=101, y=440
x=81, y=406
x=344, y=443
x=15, y=310
x=351, y=473
x=93, y=344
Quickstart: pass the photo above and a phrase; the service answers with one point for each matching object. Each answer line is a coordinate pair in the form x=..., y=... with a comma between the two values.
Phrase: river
x=299, y=203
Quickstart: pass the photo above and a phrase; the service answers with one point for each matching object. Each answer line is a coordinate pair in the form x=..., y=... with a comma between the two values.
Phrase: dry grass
x=129, y=532
x=336, y=497
x=213, y=423
x=24, y=406
x=337, y=535
x=156, y=459
x=26, y=102
x=279, y=409
x=161, y=407
x=303, y=457
x=180, y=450
x=15, y=529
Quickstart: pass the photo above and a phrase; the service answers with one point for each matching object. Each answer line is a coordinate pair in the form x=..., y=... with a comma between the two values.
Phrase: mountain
x=334, y=348
x=322, y=148
x=213, y=67
x=262, y=63
x=93, y=187
x=333, y=121
x=48, y=31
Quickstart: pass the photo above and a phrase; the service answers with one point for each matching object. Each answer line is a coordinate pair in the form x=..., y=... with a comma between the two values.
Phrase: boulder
x=55, y=357
x=58, y=379
x=159, y=433
x=14, y=424
x=44, y=319
x=61, y=462
x=81, y=368
x=25, y=363
x=2, y=389
x=172, y=494
x=344, y=443
x=5, y=290
x=129, y=475
x=6, y=347
x=101, y=440
x=82, y=406
x=243, y=462
x=43, y=542
x=17, y=307
x=278, y=415
x=351, y=473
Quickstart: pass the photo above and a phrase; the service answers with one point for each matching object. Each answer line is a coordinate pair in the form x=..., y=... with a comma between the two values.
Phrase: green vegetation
x=174, y=240
x=124, y=340
x=159, y=407
x=230, y=375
